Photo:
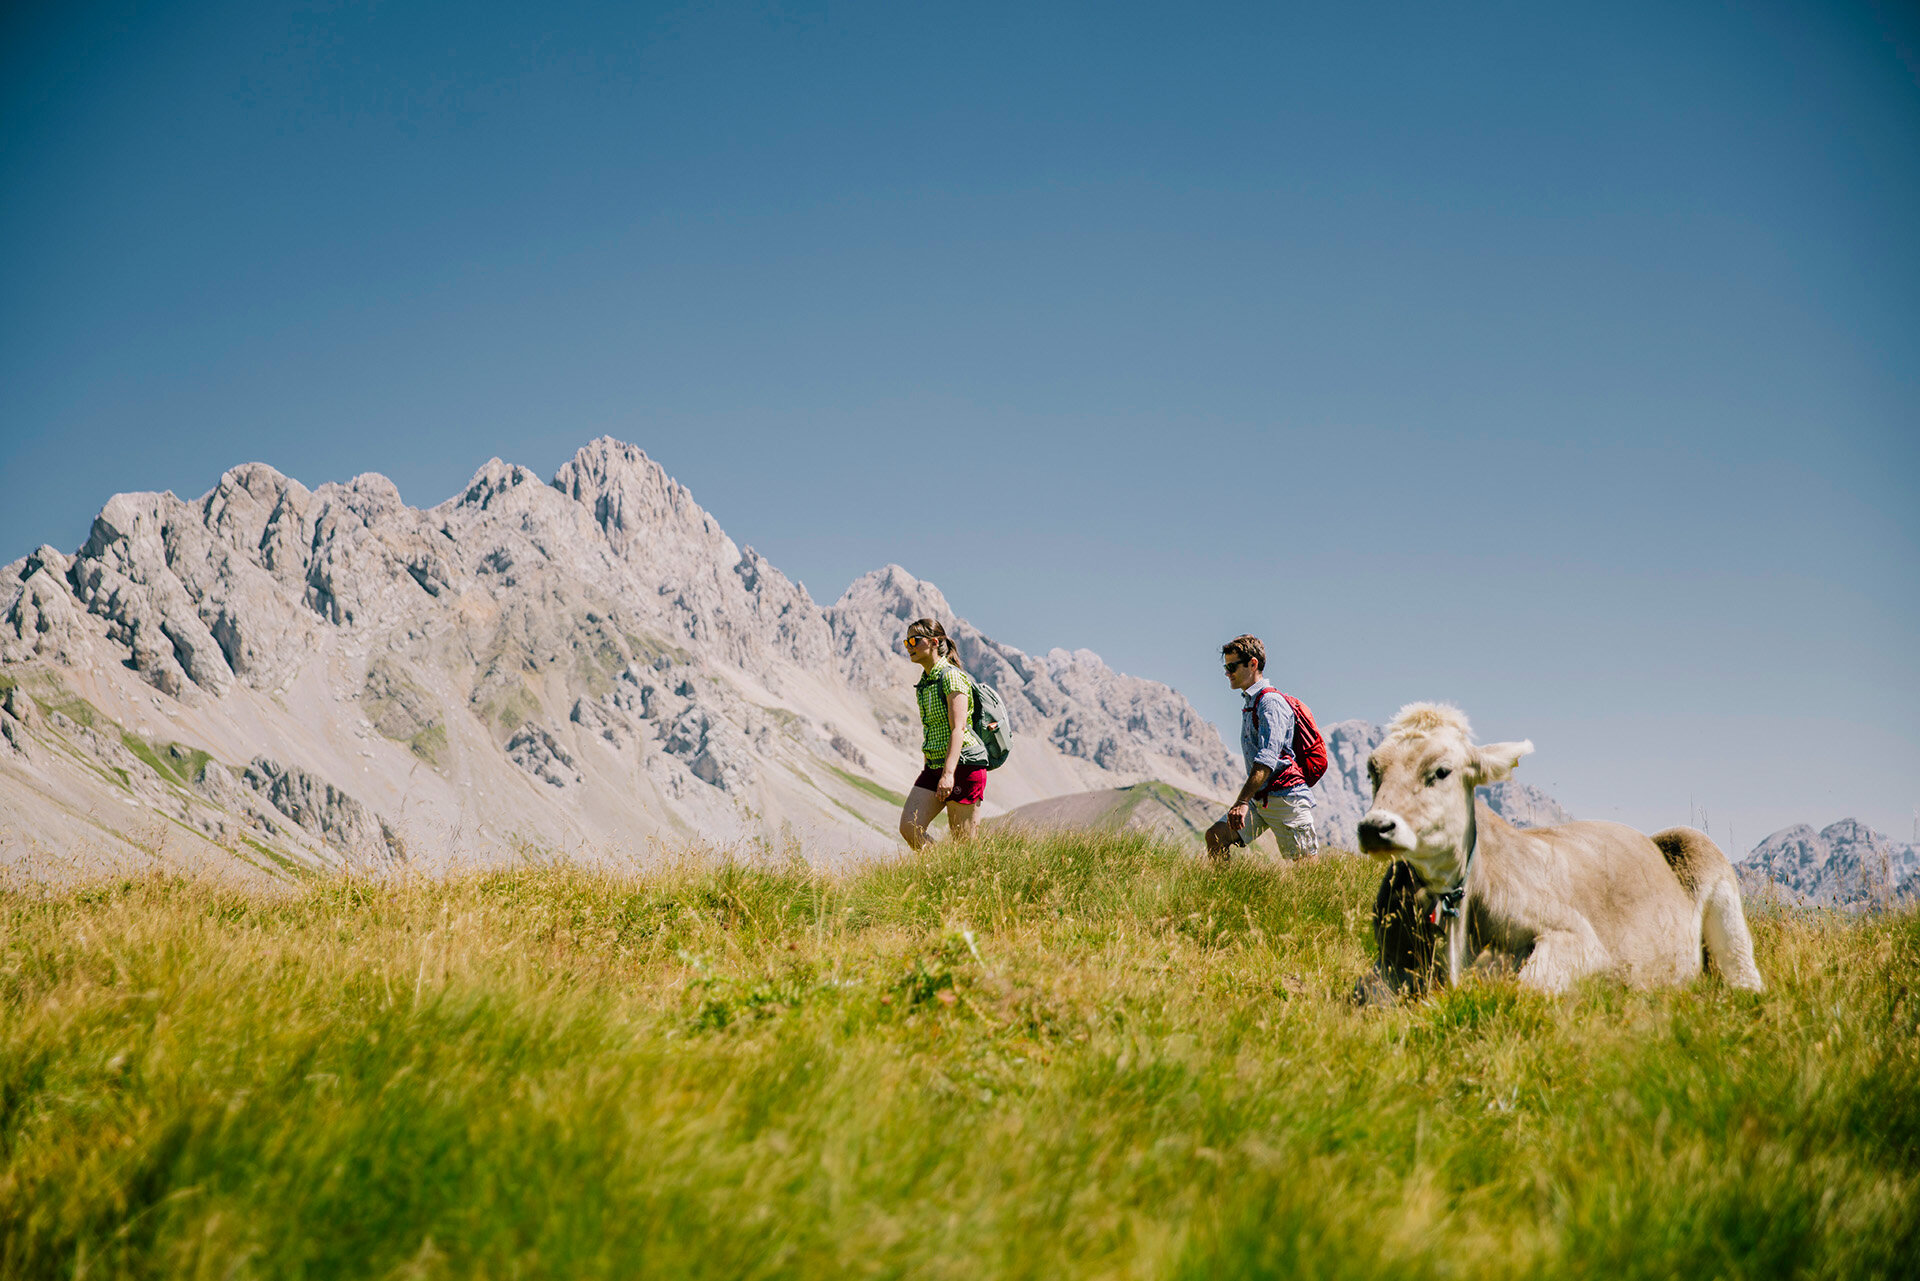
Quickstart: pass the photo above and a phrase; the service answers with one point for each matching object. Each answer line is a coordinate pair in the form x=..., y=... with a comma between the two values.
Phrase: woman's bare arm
x=956, y=739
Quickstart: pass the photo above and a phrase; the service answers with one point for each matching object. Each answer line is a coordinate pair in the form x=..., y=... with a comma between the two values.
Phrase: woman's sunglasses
x=915, y=642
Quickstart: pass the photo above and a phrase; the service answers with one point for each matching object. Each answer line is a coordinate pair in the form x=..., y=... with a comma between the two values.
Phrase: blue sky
x=1564, y=364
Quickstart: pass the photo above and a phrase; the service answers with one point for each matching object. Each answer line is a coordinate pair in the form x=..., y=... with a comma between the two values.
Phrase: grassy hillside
x=1155, y=809
x=1042, y=1058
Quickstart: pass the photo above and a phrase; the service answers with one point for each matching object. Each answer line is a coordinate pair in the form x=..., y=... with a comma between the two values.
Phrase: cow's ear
x=1495, y=761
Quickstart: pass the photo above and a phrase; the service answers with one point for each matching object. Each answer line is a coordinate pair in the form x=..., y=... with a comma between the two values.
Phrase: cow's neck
x=1450, y=904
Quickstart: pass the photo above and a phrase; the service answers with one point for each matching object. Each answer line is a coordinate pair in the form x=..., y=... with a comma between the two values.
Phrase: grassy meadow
x=1065, y=1057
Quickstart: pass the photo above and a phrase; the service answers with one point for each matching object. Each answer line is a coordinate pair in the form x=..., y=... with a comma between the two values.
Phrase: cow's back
x=1696, y=861
x=1613, y=877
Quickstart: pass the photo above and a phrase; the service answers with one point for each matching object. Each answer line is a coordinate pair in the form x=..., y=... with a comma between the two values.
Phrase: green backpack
x=990, y=722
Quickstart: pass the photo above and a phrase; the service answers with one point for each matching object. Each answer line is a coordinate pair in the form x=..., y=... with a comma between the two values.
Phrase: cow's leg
x=1455, y=942
x=1560, y=956
x=1724, y=926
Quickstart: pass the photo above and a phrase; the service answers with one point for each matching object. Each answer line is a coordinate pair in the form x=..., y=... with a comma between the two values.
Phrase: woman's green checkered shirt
x=932, y=693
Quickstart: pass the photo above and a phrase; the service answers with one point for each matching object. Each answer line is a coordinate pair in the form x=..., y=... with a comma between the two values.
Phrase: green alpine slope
x=1069, y=1057
x=1155, y=809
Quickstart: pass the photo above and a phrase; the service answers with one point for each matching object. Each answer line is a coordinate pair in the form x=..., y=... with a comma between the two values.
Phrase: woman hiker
x=956, y=764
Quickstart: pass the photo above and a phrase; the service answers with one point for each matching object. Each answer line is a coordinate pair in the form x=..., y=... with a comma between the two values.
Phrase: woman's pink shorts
x=969, y=782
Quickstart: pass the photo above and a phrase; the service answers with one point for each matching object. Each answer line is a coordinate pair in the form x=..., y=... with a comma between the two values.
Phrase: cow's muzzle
x=1384, y=832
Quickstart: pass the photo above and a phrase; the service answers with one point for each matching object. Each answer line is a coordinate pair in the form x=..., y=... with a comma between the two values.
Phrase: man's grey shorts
x=1290, y=821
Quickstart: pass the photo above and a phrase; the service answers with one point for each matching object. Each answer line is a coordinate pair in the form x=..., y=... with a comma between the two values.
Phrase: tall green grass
x=1031, y=1058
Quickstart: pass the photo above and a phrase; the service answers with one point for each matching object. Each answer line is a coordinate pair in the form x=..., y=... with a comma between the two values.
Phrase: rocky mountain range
x=330, y=677
x=270, y=676
x=1845, y=864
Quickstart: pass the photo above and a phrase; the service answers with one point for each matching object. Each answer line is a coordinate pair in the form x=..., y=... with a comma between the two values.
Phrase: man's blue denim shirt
x=1266, y=737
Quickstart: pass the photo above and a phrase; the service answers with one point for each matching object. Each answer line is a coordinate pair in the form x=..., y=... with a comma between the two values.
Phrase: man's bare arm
x=1258, y=777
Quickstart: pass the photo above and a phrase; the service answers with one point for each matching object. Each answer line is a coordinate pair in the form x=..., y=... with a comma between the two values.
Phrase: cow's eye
x=1440, y=774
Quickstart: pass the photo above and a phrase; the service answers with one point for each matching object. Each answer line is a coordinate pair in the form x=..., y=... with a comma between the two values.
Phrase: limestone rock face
x=589, y=664
x=318, y=806
x=1846, y=865
x=16, y=718
x=1344, y=795
x=42, y=619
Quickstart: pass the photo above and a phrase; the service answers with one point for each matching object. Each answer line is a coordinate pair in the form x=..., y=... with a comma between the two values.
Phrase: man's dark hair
x=1249, y=648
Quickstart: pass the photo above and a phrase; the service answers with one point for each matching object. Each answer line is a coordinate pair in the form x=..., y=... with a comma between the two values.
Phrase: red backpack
x=1309, y=749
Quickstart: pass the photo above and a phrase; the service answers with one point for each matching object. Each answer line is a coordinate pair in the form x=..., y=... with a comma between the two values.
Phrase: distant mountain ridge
x=310, y=678
x=1845, y=864
x=327, y=677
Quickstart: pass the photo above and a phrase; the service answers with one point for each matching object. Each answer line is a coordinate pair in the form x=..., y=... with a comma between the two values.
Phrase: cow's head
x=1424, y=773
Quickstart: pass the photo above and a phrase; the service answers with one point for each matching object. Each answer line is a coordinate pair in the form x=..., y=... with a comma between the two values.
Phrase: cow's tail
x=1706, y=874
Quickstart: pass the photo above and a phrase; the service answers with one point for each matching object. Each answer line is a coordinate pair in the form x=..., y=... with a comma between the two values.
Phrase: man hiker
x=1275, y=796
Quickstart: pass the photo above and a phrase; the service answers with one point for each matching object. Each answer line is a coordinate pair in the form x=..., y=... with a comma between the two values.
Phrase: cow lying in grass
x=1465, y=886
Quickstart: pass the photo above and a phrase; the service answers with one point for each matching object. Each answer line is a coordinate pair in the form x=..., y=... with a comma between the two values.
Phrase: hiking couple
x=1283, y=749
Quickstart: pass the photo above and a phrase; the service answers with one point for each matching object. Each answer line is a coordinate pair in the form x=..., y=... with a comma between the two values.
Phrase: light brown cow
x=1560, y=902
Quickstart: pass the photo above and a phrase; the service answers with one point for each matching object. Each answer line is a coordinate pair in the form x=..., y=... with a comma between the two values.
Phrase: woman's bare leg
x=961, y=819
x=921, y=807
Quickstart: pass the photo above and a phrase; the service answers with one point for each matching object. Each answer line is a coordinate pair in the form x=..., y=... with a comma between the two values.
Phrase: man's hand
x=1237, y=816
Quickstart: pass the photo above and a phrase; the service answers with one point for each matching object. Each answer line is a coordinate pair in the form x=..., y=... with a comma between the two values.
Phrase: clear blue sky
x=1562, y=364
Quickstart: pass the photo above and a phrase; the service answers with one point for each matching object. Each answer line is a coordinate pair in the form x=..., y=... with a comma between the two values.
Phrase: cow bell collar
x=1450, y=902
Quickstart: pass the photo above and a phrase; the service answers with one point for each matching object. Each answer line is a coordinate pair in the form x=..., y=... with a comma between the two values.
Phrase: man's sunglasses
x=1236, y=665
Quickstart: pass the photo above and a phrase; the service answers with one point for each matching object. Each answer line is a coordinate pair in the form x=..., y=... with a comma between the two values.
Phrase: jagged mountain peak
x=494, y=479
x=637, y=504
x=893, y=591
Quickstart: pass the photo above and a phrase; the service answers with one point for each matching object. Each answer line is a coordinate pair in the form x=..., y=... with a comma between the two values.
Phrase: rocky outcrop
x=319, y=806
x=1845, y=865
x=41, y=618
x=17, y=715
x=536, y=751
x=1343, y=794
